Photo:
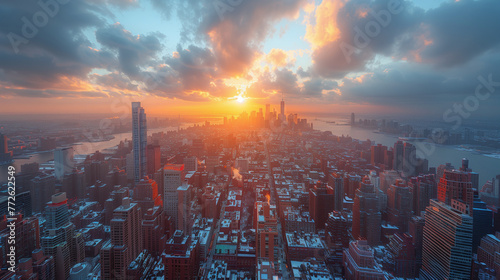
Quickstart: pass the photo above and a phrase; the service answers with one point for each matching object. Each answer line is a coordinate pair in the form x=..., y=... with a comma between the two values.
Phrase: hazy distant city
x=250, y=140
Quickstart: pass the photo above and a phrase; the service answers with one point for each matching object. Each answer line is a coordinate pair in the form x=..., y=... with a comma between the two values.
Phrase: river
x=487, y=167
x=83, y=148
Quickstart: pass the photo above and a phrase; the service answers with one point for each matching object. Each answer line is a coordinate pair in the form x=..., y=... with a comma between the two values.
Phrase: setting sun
x=240, y=99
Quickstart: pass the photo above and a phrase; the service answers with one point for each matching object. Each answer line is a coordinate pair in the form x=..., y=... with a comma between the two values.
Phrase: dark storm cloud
x=423, y=87
x=195, y=66
x=449, y=35
x=316, y=86
x=35, y=53
x=133, y=51
x=460, y=31
x=115, y=80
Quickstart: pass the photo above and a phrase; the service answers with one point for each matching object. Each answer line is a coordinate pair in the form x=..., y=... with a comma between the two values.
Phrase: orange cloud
x=362, y=12
x=233, y=54
x=277, y=57
x=422, y=42
x=363, y=77
x=280, y=58
x=321, y=28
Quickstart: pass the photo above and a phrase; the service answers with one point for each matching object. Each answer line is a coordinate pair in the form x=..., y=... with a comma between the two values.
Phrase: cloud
x=164, y=7
x=272, y=84
x=115, y=80
x=280, y=58
x=346, y=36
x=55, y=51
x=235, y=32
x=421, y=88
x=124, y=3
x=421, y=58
x=277, y=57
x=133, y=51
x=460, y=31
x=322, y=27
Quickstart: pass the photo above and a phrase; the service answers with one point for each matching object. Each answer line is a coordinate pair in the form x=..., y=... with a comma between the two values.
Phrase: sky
x=208, y=57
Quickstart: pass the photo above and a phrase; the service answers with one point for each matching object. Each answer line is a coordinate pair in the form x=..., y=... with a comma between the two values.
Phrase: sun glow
x=240, y=99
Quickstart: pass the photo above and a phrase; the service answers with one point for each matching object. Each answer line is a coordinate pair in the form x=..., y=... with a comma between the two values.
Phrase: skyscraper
x=474, y=177
x=320, y=204
x=366, y=217
x=282, y=110
x=5, y=155
x=126, y=241
x=377, y=154
x=359, y=262
x=482, y=224
x=140, y=140
x=423, y=189
x=402, y=255
x=181, y=257
x=42, y=187
x=3, y=144
x=173, y=176
x=447, y=243
x=398, y=155
x=266, y=230
x=336, y=182
x=63, y=161
x=153, y=230
x=353, y=119
x=59, y=239
x=153, y=158
x=146, y=194
x=268, y=111
x=337, y=238
x=488, y=251
x=27, y=235
x=456, y=185
x=399, y=205
x=190, y=164
x=184, y=207
x=416, y=229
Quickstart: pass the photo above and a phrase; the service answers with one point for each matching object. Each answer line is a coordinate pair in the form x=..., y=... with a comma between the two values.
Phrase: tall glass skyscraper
x=140, y=140
x=447, y=243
